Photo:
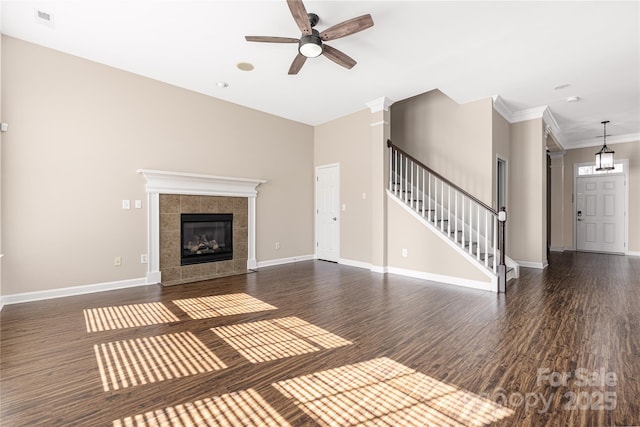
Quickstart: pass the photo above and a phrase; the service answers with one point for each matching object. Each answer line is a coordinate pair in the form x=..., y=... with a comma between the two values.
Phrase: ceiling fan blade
x=297, y=64
x=300, y=15
x=338, y=57
x=269, y=39
x=348, y=27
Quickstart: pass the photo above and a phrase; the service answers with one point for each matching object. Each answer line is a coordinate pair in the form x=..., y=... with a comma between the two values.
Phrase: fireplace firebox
x=206, y=238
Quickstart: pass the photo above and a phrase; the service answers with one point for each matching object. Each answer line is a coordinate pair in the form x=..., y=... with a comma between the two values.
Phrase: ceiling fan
x=310, y=43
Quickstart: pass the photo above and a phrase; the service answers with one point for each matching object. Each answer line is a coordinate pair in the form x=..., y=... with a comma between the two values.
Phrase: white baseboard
x=71, y=291
x=289, y=260
x=538, y=265
x=353, y=263
x=458, y=281
x=379, y=269
x=633, y=253
x=556, y=249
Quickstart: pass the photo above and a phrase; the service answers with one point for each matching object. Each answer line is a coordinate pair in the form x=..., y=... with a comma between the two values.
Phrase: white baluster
x=423, y=198
x=435, y=201
x=429, y=196
x=486, y=238
x=406, y=179
x=478, y=243
x=391, y=169
x=470, y=227
x=449, y=210
x=417, y=187
x=495, y=244
x=396, y=176
x=418, y=172
x=399, y=185
x=455, y=229
x=462, y=236
x=412, y=183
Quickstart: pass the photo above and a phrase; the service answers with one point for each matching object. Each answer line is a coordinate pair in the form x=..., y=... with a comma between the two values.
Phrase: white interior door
x=600, y=213
x=328, y=212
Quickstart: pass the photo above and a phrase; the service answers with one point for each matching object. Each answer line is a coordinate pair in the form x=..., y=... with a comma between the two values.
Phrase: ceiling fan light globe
x=310, y=46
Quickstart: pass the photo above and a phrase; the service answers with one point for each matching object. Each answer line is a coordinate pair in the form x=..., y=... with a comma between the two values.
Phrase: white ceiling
x=469, y=50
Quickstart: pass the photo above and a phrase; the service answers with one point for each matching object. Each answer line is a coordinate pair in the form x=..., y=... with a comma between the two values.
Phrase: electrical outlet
x=138, y=204
x=117, y=261
x=143, y=259
x=405, y=253
x=277, y=245
x=126, y=204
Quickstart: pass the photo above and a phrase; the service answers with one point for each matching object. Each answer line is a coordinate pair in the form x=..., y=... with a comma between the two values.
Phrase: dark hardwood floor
x=316, y=343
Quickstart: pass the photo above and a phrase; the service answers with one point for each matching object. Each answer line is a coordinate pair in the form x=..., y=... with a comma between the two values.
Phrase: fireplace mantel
x=169, y=182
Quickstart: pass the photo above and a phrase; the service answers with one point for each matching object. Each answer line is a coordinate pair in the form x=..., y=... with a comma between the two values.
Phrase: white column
x=380, y=133
x=251, y=245
x=153, y=273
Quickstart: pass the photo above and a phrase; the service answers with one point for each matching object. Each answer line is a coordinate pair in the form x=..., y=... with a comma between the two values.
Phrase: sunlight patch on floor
x=127, y=316
x=146, y=360
x=221, y=305
x=242, y=408
x=278, y=338
x=383, y=392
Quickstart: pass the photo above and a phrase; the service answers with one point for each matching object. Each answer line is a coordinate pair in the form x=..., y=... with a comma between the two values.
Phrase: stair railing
x=471, y=224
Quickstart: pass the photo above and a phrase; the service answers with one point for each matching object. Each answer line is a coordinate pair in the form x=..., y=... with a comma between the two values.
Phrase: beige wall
x=80, y=130
x=527, y=215
x=347, y=141
x=426, y=252
x=500, y=133
x=628, y=150
x=454, y=140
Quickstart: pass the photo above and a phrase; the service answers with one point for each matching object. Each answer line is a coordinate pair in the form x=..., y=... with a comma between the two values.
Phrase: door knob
x=335, y=219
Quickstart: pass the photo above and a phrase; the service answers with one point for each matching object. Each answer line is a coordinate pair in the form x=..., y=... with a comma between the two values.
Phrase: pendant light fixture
x=604, y=157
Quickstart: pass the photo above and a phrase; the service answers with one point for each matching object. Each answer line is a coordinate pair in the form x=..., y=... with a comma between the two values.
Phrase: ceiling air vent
x=44, y=18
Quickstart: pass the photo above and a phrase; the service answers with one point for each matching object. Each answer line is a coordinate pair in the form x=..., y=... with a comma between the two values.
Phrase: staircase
x=475, y=229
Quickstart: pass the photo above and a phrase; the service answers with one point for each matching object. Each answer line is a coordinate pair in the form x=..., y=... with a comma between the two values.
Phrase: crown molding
x=501, y=108
x=611, y=140
x=543, y=112
x=529, y=114
x=550, y=120
x=380, y=104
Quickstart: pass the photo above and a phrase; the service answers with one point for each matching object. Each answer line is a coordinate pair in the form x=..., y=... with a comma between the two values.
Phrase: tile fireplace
x=171, y=194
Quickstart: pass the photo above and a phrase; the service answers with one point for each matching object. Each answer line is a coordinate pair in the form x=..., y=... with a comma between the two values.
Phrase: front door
x=328, y=212
x=600, y=213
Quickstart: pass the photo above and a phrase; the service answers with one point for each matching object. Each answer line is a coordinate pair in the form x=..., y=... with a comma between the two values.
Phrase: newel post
x=502, y=268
